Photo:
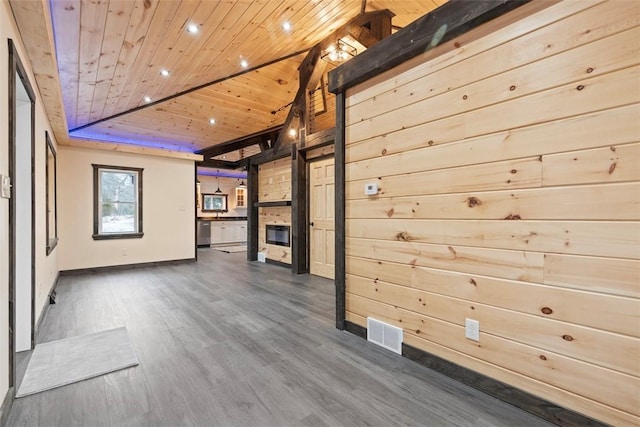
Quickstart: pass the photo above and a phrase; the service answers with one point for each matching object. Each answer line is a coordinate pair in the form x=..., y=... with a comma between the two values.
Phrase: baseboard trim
x=125, y=266
x=278, y=263
x=527, y=402
x=355, y=329
x=7, y=403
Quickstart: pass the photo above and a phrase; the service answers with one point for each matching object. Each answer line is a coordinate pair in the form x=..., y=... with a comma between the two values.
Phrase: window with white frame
x=117, y=202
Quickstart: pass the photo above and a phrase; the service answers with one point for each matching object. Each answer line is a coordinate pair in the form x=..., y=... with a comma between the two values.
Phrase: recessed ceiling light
x=212, y=121
x=244, y=63
x=147, y=99
x=165, y=73
x=192, y=28
x=286, y=26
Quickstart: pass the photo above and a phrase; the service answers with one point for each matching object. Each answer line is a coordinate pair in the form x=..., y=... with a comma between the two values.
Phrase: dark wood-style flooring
x=226, y=342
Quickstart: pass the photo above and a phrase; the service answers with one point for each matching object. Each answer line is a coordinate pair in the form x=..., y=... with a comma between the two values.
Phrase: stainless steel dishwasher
x=204, y=233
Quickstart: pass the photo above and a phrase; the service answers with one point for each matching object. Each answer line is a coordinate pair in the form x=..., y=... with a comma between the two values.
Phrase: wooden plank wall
x=509, y=174
x=274, y=185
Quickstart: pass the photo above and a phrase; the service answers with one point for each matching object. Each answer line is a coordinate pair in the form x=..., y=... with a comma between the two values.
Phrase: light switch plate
x=6, y=186
x=371, y=189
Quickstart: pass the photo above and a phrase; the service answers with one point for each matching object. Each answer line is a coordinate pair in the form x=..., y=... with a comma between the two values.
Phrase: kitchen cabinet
x=223, y=232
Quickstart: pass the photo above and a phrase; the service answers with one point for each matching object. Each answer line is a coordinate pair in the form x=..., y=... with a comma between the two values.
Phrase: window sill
x=117, y=236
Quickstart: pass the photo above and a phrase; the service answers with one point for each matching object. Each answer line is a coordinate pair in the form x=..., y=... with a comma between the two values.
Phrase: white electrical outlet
x=472, y=329
x=262, y=257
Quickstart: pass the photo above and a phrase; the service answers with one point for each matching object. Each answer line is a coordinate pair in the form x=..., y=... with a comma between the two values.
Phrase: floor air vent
x=385, y=335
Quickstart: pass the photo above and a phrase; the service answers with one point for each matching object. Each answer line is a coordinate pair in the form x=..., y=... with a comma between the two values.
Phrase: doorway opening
x=21, y=213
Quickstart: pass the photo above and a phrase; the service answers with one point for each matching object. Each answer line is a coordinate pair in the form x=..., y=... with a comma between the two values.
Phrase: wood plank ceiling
x=110, y=55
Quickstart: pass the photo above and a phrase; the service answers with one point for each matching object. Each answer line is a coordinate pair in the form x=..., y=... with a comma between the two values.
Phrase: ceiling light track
x=188, y=91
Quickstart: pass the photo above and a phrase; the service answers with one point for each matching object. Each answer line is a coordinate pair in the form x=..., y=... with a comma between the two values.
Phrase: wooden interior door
x=322, y=218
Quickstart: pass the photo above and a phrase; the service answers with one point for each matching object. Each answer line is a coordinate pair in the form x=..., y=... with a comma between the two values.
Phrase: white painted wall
x=46, y=268
x=168, y=210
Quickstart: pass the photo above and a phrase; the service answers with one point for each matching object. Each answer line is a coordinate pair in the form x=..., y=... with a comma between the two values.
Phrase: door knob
x=311, y=224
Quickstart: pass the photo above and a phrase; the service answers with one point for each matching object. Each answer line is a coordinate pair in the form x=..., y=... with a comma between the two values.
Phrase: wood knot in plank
x=589, y=70
x=567, y=337
x=430, y=143
x=612, y=167
x=453, y=251
x=580, y=87
x=147, y=4
x=543, y=357
x=546, y=310
x=512, y=217
x=473, y=282
x=413, y=262
x=473, y=202
x=402, y=236
x=384, y=151
x=512, y=88
x=390, y=212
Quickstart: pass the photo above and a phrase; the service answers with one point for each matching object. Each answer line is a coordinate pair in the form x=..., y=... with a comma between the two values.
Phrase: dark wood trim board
x=518, y=398
x=299, y=208
x=278, y=263
x=339, y=165
x=252, y=212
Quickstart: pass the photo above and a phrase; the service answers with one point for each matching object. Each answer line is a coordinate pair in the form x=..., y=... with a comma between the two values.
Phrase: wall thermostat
x=371, y=188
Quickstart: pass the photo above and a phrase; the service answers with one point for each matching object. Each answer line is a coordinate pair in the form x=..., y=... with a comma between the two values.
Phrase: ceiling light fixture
x=286, y=26
x=242, y=184
x=293, y=133
x=192, y=28
x=218, y=191
x=339, y=52
x=147, y=99
x=212, y=121
x=164, y=73
x=244, y=63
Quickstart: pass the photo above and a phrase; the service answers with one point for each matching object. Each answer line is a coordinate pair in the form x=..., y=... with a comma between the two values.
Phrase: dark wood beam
x=267, y=156
x=377, y=28
x=252, y=212
x=444, y=23
x=312, y=69
x=340, y=253
x=219, y=164
x=299, y=197
x=239, y=143
x=310, y=73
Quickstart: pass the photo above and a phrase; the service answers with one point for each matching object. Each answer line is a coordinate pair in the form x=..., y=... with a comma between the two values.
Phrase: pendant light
x=218, y=191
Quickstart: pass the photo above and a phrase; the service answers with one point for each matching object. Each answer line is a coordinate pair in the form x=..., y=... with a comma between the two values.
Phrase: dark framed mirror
x=216, y=202
x=51, y=195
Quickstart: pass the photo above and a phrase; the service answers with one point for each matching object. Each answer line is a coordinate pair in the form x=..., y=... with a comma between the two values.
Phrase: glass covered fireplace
x=278, y=235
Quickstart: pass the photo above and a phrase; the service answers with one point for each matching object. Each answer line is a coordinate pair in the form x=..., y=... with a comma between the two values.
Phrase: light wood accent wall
x=509, y=174
x=274, y=185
